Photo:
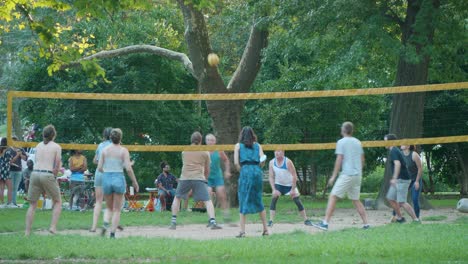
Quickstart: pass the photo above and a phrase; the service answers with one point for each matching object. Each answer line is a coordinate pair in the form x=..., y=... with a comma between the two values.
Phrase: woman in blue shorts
x=114, y=159
x=216, y=177
x=98, y=180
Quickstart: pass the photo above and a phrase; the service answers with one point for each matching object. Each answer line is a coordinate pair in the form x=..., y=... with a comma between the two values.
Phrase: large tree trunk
x=463, y=175
x=407, y=109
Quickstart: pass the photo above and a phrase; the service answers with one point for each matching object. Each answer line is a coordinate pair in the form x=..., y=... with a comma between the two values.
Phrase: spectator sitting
x=78, y=165
x=27, y=174
x=165, y=183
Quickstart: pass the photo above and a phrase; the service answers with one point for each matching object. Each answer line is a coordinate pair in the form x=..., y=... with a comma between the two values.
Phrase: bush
x=371, y=182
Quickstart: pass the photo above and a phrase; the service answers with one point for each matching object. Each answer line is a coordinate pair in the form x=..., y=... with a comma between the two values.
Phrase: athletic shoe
x=321, y=226
x=401, y=220
x=308, y=222
x=103, y=231
x=417, y=221
x=214, y=226
x=173, y=226
x=2, y=205
x=365, y=227
x=393, y=219
x=10, y=205
x=270, y=223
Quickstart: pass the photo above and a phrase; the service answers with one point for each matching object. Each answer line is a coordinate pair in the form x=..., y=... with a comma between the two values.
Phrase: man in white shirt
x=350, y=159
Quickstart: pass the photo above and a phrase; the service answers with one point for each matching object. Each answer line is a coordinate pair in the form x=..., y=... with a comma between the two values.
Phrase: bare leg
x=110, y=207
x=243, y=218
x=264, y=220
x=30, y=217
x=55, y=215
x=175, y=206
x=330, y=207
x=97, y=207
x=409, y=210
x=361, y=210
x=2, y=191
x=222, y=197
x=210, y=209
x=9, y=185
x=162, y=199
x=396, y=208
x=116, y=216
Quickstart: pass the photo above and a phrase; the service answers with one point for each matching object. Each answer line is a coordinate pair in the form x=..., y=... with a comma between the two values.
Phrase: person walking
x=114, y=159
x=350, y=160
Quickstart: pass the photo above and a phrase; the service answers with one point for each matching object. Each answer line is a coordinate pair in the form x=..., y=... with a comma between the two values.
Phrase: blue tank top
x=249, y=154
x=215, y=167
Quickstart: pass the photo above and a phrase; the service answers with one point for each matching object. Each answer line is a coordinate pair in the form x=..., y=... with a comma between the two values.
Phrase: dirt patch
x=343, y=218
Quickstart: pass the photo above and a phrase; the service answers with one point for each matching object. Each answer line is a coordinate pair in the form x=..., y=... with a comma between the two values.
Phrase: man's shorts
x=399, y=192
x=285, y=190
x=41, y=182
x=113, y=182
x=199, y=190
x=98, y=179
x=350, y=185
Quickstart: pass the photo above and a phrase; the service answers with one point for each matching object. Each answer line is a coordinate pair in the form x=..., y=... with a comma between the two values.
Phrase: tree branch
x=198, y=44
x=390, y=14
x=169, y=54
x=250, y=63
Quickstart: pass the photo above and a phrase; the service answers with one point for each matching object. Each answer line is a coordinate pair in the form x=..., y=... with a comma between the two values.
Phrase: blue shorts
x=215, y=181
x=98, y=179
x=283, y=189
x=113, y=182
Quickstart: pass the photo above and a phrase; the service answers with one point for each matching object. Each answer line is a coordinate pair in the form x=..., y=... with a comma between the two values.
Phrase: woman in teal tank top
x=216, y=177
x=247, y=155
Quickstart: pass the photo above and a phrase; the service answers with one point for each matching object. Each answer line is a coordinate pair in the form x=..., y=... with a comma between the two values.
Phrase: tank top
x=249, y=156
x=411, y=165
x=215, y=167
x=113, y=164
x=282, y=174
x=77, y=161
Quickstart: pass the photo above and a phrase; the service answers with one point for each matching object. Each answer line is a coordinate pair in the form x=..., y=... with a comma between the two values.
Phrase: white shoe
x=2, y=206
x=11, y=205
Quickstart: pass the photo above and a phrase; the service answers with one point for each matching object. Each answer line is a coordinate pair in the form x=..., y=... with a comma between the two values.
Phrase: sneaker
x=2, y=205
x=401, y=220
x=103, y=231
x=321, y=226
x=173, y=226
x=365, y=227
x=10, y=205
x=308, y=222
x=393, y=219
x=214, y=226
x=270, y=223
x=417, y=221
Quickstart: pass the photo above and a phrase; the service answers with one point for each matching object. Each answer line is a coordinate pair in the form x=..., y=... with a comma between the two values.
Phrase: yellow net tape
x=240, y=96
x=315, y=146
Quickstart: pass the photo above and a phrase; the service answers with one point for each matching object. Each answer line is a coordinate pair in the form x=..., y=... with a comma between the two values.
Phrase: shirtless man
x=48, y=162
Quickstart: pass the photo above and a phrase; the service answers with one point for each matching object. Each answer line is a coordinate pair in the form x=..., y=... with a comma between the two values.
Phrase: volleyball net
x=164, y=122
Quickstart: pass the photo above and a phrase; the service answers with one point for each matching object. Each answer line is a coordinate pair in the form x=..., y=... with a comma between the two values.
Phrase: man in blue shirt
x=165, y=183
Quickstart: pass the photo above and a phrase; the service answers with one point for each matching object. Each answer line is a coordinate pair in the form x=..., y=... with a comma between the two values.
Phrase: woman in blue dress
x=247, y=154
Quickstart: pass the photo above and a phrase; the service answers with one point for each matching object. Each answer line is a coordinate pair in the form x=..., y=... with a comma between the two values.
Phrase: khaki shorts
x=399, y=192
x=350, y=185
x=43, y=182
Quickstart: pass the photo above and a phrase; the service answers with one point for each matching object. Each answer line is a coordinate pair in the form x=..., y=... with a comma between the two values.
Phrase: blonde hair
x=49, y=133
x=116, y=135
x=348, y=127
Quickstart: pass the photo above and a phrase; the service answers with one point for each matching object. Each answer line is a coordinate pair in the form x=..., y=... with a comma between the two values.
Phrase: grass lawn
x=408, y=243
x=3, y=130
x=389, y=244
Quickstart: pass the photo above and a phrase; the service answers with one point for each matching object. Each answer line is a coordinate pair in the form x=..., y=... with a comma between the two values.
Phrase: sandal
x=265, y=233
x=241, y=235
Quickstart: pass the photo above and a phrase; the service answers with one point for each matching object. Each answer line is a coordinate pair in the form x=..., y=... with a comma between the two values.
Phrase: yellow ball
x=213, y=59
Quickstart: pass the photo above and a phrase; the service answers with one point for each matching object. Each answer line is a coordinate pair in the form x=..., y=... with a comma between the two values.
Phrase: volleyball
x=213, y=59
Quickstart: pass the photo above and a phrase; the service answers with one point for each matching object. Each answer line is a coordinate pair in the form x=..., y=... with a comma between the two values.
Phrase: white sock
x=324, y=222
